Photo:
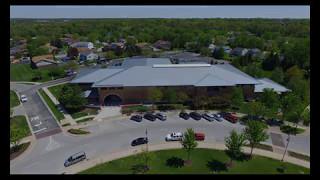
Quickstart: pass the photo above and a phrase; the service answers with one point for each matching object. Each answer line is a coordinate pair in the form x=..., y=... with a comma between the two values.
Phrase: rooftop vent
x=179, y=65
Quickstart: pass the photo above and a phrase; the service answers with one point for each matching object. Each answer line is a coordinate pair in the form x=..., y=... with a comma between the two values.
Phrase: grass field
x=84, y=112
x=51, y=105
x=55, y=90
x=21, y=122
x=204, y=161
x=23, y=72
x=14, y=100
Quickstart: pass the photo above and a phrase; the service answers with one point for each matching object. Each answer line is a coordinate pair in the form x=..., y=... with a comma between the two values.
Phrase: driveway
x=111, y=136
x=42, y=122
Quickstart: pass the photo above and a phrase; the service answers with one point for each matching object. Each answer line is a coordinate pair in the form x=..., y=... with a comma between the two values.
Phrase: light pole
x=285, y=151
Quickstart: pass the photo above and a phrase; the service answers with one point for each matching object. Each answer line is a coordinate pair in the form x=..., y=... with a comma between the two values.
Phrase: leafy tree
x=219, y=54
x=255, y=133
x=277, y=75
x=182, y=96
x=189, y=142
x=72, y=97
x=234, y=144
x=255, y=109
x=253, y=70
x=110, y=55
x=220, y=40
x=73, y=53
x=36, y=75
x=293, y=72
x=170, y=95
x=56, y=72
x=271, y=100
x=292, y=108
x=205, y=51
x=156, y=94
x=237, y=97
x=271, y=62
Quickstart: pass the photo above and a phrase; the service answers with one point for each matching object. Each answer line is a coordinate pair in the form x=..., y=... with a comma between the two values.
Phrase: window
x=212, y=89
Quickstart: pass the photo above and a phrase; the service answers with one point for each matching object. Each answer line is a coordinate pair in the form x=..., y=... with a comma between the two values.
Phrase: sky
x=160, y=11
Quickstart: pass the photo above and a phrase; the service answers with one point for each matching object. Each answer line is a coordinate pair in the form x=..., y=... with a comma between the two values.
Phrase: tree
x=255, y=109
x=219, y=54
x=237, y=97
x=16, y=134
x=110, y=55
x=73, y=53
x=292, y=108
x=170, y=95
x=270, y=99
x=156, y=95
x=205, y=51
x=72, y=97
x=271, y=62
x=182, y=96
x=277, y=75
x=255, y=133
x=234, y=144
x=37, y=75
x=56, y=72
x=189, y=142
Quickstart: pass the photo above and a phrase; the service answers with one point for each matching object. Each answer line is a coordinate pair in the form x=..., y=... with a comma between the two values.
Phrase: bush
x=78, y=131
x=164, y=107
x=291, y=130
x=218, y=103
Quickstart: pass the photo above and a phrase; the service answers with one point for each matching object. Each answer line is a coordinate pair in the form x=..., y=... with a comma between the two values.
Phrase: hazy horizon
x=163, y=12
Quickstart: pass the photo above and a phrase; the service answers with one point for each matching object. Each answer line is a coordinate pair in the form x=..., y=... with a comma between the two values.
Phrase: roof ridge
x=110, y=76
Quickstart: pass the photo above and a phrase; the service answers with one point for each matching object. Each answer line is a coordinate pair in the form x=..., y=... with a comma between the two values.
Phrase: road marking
x=34, y=118
x=39, y=130
x=38, y=124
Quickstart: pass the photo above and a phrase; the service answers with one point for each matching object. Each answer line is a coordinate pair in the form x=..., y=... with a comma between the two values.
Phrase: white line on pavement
x=39, y=130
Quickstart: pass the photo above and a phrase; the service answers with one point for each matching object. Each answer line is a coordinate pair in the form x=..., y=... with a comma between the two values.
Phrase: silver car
x=218, y=117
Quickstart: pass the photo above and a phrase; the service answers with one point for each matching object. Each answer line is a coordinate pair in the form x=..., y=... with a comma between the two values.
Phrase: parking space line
x=39, y=130
x=38, y=124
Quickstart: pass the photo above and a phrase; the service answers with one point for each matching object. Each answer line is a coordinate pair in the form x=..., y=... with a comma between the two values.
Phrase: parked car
x=208, y=117
x=184, y=115
x=161, y=116
x=231, y=118
x=218, y=117
x=136, y=118
x=175, y=136
x=75, y=158
x=274, y=122
x=195, y=116
x=23, y=98
x=150, y=116
x=139, y=141
x=199, y=136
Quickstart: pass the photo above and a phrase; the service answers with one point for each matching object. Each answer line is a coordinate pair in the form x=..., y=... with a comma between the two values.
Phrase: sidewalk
x=116, y=154
x=67, y=116
x=32, y=141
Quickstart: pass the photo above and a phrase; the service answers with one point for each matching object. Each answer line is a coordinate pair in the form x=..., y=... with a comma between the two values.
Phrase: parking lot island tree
x=189, y=143
x=237, y=97
x=234, y=144
x=255, y=133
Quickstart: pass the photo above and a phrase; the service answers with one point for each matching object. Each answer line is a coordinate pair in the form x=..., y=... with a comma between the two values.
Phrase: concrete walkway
x=32, y=141
x=172, y=145
x=68, y=117
x=108, y=112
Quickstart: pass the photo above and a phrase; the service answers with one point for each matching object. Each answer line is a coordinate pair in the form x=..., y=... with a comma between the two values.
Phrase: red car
x=199, y=136
x=231, y=118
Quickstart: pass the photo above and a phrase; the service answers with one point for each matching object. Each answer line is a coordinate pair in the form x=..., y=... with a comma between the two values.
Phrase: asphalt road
x=49, y=153
x=42, y=122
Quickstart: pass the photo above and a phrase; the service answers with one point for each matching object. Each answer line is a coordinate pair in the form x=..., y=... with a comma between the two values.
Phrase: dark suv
x=184, y=115
x=195, y=116
x=150, y=117
x=136, y=118
x=139, y=141
x=161, y=116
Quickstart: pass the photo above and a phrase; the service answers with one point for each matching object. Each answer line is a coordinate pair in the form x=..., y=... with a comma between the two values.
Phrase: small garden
x=78, y=131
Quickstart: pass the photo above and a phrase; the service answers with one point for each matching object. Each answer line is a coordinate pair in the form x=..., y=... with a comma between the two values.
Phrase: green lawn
x=84, y=112
x=51, y=105
x=55, y=90
x=204, y=161
x=21, y=122
x=23, y=72
x=14, y=100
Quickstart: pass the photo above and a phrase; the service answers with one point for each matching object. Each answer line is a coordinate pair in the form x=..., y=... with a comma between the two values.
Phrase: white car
x=23, y=98
x=175, y=136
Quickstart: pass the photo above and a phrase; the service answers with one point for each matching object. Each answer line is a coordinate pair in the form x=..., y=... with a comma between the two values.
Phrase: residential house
x=43, y=61
x=160, y=44
x=88, y=45
x=239, y=51
x=255, y=52
x=25, y=60
x=88, y=56
x=144, y=46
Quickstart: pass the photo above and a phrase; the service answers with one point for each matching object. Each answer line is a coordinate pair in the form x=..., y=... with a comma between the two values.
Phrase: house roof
x=80, y=44
x=43, y=57
x=93, y=75
x=211, y=75
x=45, y=62
x=268, y=83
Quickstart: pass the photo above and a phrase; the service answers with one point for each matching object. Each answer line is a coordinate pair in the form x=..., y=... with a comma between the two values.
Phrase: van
x=199, y=136
x=75, y=158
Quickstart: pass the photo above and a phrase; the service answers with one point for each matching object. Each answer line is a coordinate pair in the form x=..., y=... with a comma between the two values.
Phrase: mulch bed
x=18, y=150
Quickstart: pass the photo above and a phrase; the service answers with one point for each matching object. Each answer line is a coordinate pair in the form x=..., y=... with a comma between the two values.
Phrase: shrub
x=78, y=131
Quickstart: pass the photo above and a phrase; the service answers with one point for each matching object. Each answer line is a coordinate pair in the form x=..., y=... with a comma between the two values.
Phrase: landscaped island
x=204, y=161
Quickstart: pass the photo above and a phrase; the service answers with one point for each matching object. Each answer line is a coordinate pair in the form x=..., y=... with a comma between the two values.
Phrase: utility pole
x=285, y=151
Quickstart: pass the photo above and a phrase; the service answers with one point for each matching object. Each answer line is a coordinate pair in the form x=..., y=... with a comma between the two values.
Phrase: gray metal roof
x=138, y=61
x=268, y=83
x=214, y=75
x=94, y=75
